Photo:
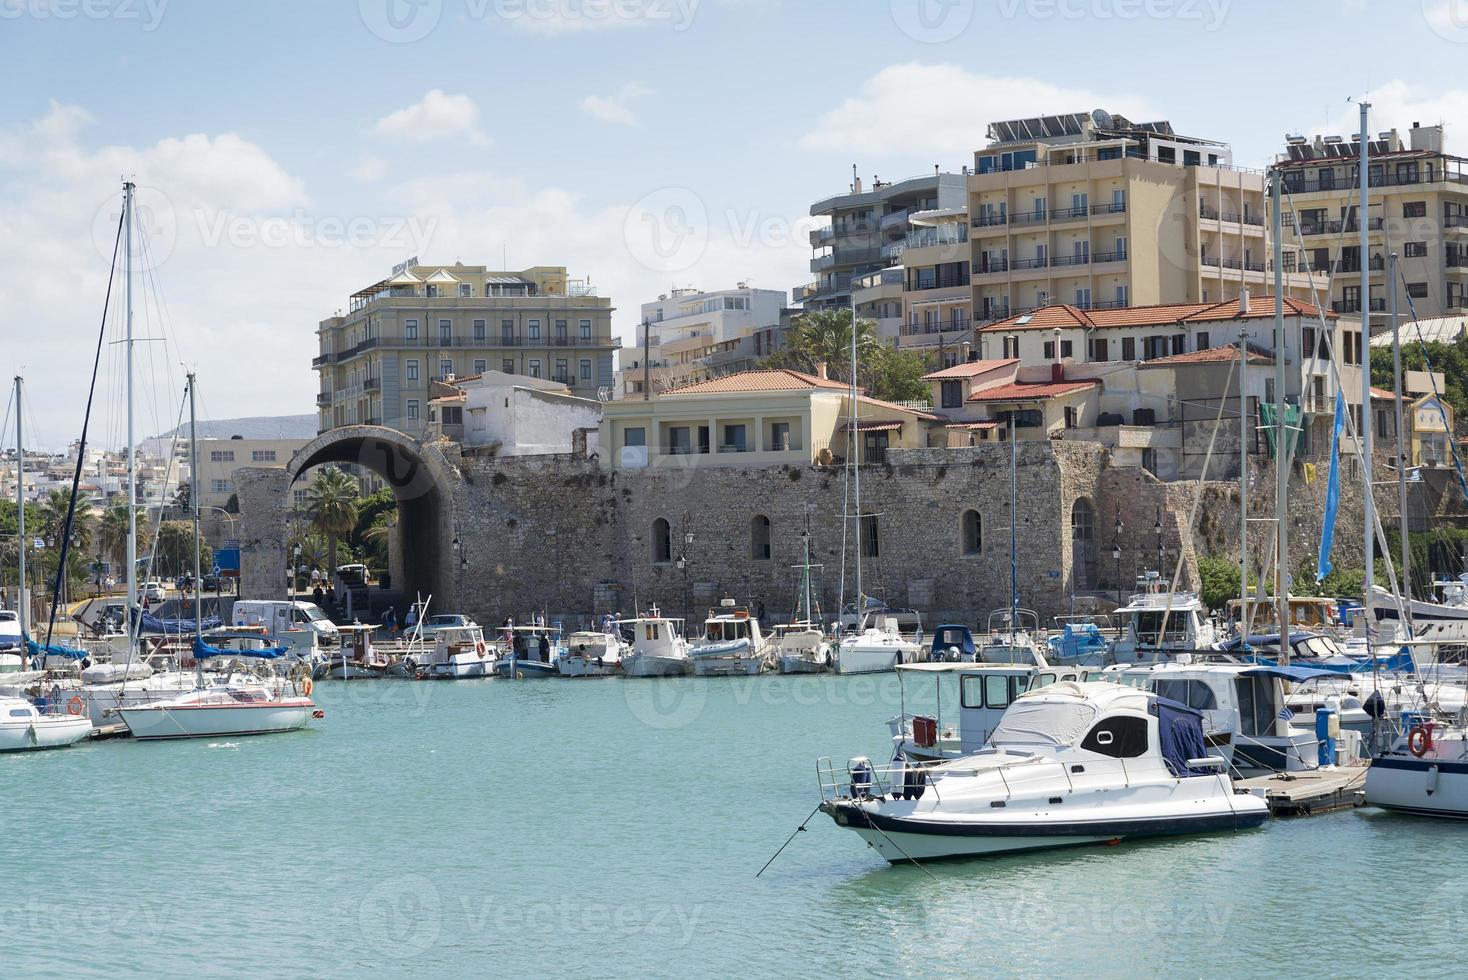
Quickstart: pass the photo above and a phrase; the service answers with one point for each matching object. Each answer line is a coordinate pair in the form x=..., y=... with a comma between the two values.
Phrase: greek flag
x=1332, y=489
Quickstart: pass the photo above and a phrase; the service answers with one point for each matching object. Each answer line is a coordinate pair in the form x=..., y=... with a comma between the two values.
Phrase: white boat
x=801, y=648
x=592, y=654
x=458, y=653
x=12, y=644
x=659, y=648
x=529, y=652
x=879, y=647
x=23, y=728
x=1069, y=764
x=1010, y=638
x=1443, y=622
x=1424, y=772
x=223, y=711
x=1158, y=623
x=731, y=643
x=358, y=659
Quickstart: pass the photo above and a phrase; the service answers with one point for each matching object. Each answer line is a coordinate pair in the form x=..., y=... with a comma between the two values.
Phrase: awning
x=1290, y=673
x=972, y=425
x=873, y=427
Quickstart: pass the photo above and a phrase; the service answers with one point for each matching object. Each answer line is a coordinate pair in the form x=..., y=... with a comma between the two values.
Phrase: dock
x=1302, y=794
x=116, y=729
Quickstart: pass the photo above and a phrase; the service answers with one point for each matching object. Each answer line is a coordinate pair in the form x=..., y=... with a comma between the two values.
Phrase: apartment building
x=1097, y=212
x=219, y=458
x=868, y=230
x=426, y=322
x=692, y=335
x=937, y=293
x=1418, y=207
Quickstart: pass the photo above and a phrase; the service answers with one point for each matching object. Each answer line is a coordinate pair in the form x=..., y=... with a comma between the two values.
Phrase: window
x=562, y=370
x=1179, y=343
x=952, y=393
x=532, y=329
x=411, y=370
x=1194, y=694
x=971, y=533
x=507, y=332
x=734, y=439
x=221, y=455
x=480, y=365
x=679, y=443
x=1202, y=342
x=219, y=486
x=1121, y=737
x=533, y=368
x=465, y=289
x=1414, y=209
x=779, y=436
x=262, y=455
x=870, y=542
x=585, y=369
x=1417, y=290
x=584, y=329
x=634, y=436
x=412, y=409
x=1049, y=350
x=480, y=330
x=1098, y=348
x=1066, y=348
x=445, y=369
x=446, y=333
x=1414, y=250
x=410, y=329
x=507, y=365
x=1128, y=348
x=560, y=331
x=662, y=541
x=759, y=538
x=1070, y=416
x=431, y=291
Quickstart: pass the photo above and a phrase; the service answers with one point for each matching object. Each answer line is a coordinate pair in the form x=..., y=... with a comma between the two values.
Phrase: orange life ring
x=1419, y=740
x=75, y=706
x=480, y=647
x=307, y=687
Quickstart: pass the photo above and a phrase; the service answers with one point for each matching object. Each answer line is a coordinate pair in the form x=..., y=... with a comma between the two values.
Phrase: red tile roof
x=1383, y=393
x=988, y=424
x=873, y=426
x=1026, y=391
x=1167, y=314
x=781, y=379
x=1212, y=355
x=970, y=368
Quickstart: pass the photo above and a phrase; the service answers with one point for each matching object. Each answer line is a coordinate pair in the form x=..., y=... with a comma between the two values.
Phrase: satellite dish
x=1101, y=118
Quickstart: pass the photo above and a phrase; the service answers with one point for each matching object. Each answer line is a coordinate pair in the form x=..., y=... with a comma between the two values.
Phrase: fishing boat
x=801, y=646
x=530, y=652
x=1425, y=771
x=458, y=653
x=592, y=654
x=24, y=727
x=1158, y=623
x=356, y=658
x=1069, y=764
x=731, y=643
x=659, y=648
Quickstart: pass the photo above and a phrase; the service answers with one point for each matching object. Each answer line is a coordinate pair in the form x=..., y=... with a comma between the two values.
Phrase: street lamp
x=1157, y=527
x=1116, y=556
x=683, y=563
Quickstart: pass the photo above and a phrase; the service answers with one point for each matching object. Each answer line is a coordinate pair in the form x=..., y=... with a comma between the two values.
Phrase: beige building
x=428, y=322
x=1097, y=212
x=755, y=418
x=1418, y=200
x=219, y=458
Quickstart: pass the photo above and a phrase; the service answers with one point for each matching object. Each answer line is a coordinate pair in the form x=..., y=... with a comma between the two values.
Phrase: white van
x=300, y=625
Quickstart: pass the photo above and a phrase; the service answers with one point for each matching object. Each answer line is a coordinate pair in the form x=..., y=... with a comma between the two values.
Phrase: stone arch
x=422, y=479
x=759, y=538
x=662, y=541
x=970, y=533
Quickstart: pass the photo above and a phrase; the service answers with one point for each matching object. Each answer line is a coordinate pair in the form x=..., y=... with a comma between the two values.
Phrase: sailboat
x=254, y=707
x=1010, y=639
x=801, y=646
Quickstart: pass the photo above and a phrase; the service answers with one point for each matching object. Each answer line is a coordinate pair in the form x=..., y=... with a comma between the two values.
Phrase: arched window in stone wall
x=971, y=533
x=1083, y=544
x=662, y=541
x=759, y=538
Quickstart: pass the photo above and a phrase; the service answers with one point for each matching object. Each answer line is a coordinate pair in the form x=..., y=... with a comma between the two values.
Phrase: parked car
x=433, y=624
x=153, y=590
x=212, y=583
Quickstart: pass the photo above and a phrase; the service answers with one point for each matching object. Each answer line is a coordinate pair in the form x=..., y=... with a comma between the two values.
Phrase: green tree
x=824, y=336
x=897, y=376
x=175, y=549
x=332, y=501
x=1449, y=358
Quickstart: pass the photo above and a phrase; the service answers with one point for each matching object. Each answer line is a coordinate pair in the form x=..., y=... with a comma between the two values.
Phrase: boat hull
x=157, y=722
x=1410, y=785
x=459, y=669
x=802, y=665
x=647, y=666
x=44, y=733
x=863, y=661
x=525, y=669
x=728, y=666
x=587, y=667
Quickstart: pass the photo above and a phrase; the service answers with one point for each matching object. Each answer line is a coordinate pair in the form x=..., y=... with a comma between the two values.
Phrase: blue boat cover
x=203, y=650
x=52, y=650
x=1180, y=731
x=952, y=635
x=152, y=624
x=1400, y=662
x=1267, y=639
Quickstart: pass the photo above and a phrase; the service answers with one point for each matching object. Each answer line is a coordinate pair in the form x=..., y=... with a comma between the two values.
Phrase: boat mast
x=21, y=605
x=1281, y=431
x=1369, y=516
x=1013, y=529
x=856, y=466
x=1406, y=575
x=805, y=536
x=1243, y=489
x=194, y=502
x=132, y=459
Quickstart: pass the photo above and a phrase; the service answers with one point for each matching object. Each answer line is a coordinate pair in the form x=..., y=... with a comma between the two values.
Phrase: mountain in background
x=259, y=427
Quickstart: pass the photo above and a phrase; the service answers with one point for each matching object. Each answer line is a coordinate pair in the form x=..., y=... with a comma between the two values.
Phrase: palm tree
x=331, y=500
x=378, y=535
x=113, y=534
x=824, y=336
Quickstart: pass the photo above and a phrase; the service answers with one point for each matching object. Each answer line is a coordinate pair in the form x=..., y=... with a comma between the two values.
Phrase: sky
x=289, y=152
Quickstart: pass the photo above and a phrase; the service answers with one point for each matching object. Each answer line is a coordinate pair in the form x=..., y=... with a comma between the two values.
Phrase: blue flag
x=1332, y=489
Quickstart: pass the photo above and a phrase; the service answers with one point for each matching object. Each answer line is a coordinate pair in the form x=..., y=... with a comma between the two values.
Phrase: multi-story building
x=1418, y=207
x=868, y=231
x=937, y=293
x=1092, y=210
x=428, y=322
x=690, y=335
x=219, y=458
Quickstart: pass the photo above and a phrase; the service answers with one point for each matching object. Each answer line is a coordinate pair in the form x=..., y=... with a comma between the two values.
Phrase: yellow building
x=754, y=418
x=1431, y=422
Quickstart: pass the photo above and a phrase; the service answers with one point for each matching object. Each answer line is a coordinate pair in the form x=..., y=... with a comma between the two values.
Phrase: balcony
x=938, y=282
x=1083, y=258
x=894, y=219
x=1337, y=227
x=988, y=266
x=1035, y=263
x=1119, y=256
x=1070, y=214
x=822, y=236
x=991, y=220
x=945, y=235
x=320, y=359
x=1378, y=305
x=1457, y=260
x=1028, y=217
x=323, y=399
x=1455, y=221
x=440, y=342
x=991, y=313
x=372, y=384
x=1302, y=185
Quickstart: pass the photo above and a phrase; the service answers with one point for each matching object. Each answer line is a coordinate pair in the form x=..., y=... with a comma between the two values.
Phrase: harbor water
x=614, y=827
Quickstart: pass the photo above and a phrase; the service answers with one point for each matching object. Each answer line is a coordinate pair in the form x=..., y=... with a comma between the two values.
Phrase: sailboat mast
x=1013, y=529
x=1243, y=487
x=22, y=607
x=132, y=458
x=1391, y=291
x=194, y=502
x=1369, y=545
x=1281, y=432
x=856, y=464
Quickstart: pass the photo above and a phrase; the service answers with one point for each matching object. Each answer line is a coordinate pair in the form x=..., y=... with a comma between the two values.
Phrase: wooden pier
x=1301, y=794
x=115, y=729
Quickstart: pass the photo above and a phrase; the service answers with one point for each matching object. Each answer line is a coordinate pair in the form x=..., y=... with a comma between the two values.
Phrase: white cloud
x=437, y=116
x=616, y=108
x=550, y=18
x=368, y=169
x=1399, y=104
x=910, y=109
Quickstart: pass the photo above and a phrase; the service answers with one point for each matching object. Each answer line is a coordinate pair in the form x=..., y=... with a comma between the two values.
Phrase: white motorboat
x=1069, y=764
x=879, y=647
x=530, y=651
x=592, y=654
x=659, y=648
x=731, y=643
x=1158, y=623
x=24, y=728
x=458, y=653
x=1424, y=772
x=801, y=648
x=227, y=710
x=358, y=659
x=1011, y=638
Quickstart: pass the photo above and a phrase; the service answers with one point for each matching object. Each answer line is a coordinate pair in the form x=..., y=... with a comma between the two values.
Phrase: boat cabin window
x=1121, y=737
x=20, y=712
x=1194, y=694
x=990, y=690
x=1257, y=709
x=1148, y=625
x=651, y=631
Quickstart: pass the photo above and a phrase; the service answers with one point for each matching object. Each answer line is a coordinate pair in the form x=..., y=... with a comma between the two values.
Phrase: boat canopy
x=203, y=650
x=52, y=650
x=949, y=636
x=1294, y=672
x=1046, y=722
x=1179, y=735
x=152, y=624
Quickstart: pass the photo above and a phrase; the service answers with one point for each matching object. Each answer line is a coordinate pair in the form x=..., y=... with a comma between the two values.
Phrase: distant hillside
x=261, y=427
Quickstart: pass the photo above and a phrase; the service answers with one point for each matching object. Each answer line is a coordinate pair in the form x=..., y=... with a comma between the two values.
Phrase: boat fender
x=861, y=779
x=1375, y=705
x=74, y=706
x=914, y=783
x=307, y=686
x=519, y=675
x=86, y=663
x=1419, y=740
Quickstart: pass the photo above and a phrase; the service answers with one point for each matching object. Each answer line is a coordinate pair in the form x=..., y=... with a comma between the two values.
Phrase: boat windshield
x=1044, y=723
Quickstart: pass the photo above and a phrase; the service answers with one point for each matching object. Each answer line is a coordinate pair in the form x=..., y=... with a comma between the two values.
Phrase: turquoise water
x=610, y=827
